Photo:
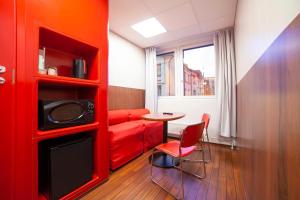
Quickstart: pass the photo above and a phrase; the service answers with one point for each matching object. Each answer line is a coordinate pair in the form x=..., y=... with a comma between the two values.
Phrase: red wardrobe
x=65, y=30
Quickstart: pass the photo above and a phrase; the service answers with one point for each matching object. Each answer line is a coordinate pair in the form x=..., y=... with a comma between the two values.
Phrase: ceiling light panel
x=149, y=28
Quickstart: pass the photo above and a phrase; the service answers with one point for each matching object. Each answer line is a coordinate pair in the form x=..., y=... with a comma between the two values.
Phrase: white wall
x=257, y=24
x=193, y=107
x=126, y=63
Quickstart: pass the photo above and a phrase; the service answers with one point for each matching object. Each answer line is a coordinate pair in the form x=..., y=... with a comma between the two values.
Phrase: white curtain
x=151, y=80
x=179, y=71
x=226, y=82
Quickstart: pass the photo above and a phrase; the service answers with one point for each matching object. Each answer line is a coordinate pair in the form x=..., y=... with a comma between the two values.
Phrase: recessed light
x=149, y=28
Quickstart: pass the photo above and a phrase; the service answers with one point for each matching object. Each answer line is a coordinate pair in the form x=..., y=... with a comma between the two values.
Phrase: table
x=161, y=159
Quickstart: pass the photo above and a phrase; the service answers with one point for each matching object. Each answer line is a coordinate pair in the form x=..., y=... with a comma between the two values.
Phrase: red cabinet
x=66, y=29
x=7, y=92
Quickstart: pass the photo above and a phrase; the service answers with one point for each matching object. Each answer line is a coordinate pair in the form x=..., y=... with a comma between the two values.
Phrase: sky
x=201, y=59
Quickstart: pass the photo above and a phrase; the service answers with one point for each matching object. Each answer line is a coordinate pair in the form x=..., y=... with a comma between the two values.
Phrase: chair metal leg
x=151, y=170
x=208, y=144
x=181, y=177
x=195, y=161
x=194, y=174
x=157, y=183
x=204, y=166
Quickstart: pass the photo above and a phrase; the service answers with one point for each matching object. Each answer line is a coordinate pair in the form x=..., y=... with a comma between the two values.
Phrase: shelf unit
x=52, y=87
x=80, y=34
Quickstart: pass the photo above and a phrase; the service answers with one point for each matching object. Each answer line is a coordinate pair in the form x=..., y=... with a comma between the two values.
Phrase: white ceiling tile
x=178, y=18
x=129, y=33
x=181, y=18
x=159, y=38
x=213, y=9
x=186, y=32
x=127, y=12
x=157, y=6
x=218, y=24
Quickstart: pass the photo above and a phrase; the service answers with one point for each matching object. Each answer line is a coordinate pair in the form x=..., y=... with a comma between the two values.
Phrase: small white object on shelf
x=52, y=71
x=42, y=53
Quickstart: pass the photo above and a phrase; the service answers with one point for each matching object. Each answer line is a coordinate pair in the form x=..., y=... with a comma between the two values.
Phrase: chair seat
x=172, y=148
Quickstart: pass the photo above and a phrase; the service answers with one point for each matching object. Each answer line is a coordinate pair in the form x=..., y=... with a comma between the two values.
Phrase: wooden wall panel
x=269, y=121
x=125, y=98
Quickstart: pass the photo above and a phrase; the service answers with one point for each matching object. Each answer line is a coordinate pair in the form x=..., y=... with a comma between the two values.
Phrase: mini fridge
x=64, y=165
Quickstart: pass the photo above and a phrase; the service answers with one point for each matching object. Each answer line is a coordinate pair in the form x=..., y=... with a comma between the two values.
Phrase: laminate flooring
x=132, y=181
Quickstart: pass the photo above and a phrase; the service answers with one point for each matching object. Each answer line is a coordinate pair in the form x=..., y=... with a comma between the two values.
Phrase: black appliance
x=79, y=68
x=65, y=164
x=64, y=113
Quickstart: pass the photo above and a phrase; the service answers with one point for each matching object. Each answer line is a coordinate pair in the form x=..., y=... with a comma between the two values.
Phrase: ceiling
x=181, y=18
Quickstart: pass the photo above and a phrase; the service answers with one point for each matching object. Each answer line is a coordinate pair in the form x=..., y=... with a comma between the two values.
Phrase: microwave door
x=66, y=113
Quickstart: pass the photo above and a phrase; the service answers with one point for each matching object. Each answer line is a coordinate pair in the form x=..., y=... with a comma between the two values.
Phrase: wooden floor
x=133, y=180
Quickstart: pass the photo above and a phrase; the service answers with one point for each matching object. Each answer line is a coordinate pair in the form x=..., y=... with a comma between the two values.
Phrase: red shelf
x=42, y=135
x=62, y=80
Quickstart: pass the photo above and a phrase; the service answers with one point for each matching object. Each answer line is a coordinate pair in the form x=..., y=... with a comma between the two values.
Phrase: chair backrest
x=191, y=134
x=206, y=119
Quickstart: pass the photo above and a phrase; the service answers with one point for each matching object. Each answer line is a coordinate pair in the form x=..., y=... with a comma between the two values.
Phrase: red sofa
x=130, y=135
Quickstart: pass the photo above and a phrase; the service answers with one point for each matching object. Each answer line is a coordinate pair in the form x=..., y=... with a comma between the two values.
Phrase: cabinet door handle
x=2, y=80
x=2, y=69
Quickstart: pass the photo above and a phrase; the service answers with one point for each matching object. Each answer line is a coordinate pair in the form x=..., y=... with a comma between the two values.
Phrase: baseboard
x=221, y=140
x=214, y=140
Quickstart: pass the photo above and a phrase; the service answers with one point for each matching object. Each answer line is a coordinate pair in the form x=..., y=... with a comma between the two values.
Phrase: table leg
x=161, y=159
x=165, y=131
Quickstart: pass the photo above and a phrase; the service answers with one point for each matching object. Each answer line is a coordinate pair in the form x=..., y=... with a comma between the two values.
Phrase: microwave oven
x=54, y=114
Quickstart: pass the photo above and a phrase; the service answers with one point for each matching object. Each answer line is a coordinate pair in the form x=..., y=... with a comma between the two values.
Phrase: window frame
x=179, y=85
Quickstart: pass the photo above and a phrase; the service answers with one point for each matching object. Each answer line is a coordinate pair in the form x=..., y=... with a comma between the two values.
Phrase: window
x=199, y=71
x=165, y=74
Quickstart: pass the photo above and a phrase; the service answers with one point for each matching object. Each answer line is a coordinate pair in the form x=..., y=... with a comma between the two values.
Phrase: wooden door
x=7, y=69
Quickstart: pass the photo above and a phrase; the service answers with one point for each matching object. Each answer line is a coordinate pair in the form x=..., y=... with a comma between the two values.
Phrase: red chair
x=189, y=138
x=206, y=119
